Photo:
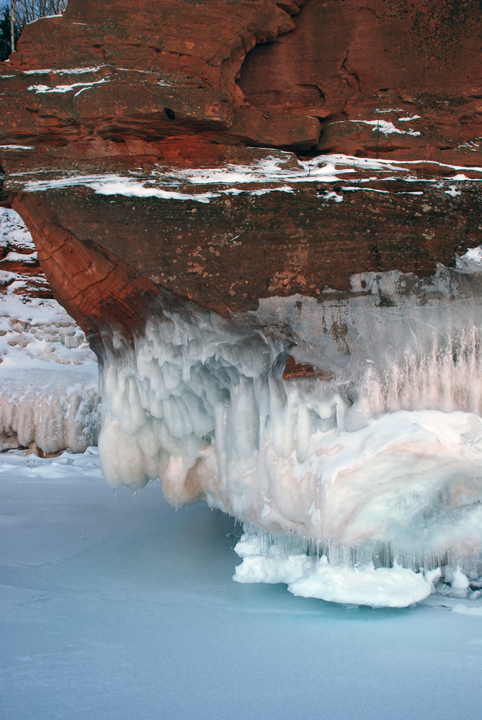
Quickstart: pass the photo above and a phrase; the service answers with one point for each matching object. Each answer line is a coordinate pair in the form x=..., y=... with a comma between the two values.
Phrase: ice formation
x=354, y=484
x=374, y=463
x=48, y=379
x=314, y=576
x=48, y=374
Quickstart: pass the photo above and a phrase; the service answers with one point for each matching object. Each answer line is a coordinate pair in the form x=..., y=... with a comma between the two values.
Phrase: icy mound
x=48, y=379
x=381, y=463
x=48, y=374
x=310, y=576
x=341, y=574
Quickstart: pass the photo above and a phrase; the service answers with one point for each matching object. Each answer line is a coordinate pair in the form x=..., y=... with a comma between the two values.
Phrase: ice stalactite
x=377, y=467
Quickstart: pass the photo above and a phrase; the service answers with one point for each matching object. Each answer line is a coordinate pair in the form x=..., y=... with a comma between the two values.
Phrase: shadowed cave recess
x=266, y=217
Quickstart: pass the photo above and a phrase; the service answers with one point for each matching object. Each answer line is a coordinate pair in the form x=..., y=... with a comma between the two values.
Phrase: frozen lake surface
x=119, y=607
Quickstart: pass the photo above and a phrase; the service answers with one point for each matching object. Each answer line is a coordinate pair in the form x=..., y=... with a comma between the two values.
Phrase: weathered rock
x=238, y=247
x=351, y=62
x=144, y=92
x=157, y=72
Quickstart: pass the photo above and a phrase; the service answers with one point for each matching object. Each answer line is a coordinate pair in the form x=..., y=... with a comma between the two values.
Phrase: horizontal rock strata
x=110, y=113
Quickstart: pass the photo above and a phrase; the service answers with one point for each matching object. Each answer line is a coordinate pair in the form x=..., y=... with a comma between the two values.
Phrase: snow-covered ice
x=316, y=577
x=118, y=607
x=270, y=560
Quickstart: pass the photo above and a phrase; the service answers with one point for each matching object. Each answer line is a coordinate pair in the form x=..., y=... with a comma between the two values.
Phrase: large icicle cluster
x=381, y=461
x=189, y=404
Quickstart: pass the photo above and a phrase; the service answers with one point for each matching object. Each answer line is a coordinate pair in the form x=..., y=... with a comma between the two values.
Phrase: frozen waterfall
x=374, y=462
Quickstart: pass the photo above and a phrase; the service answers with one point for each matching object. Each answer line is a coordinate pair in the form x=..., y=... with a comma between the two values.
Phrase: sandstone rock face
x=416, y=65
x=148, y=94
x=226, y=246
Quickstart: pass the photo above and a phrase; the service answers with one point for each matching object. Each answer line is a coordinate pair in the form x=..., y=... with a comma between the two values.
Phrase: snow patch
x=386, y=127
x=45, y=17
x=327, y=195
x=452, y=191
x=69, y=71
x=317, y=578
x=64, y=88
x=278, y=172
x=115, y=185
x=16, y=147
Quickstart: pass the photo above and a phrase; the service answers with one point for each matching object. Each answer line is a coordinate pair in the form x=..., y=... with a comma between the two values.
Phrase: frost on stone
x=48, y=411
x=48, y=378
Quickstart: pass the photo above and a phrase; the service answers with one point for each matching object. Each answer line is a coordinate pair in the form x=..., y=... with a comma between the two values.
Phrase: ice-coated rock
x=171, y=162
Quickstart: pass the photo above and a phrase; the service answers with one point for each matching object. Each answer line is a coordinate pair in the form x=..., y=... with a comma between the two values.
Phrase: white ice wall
x=389, y=451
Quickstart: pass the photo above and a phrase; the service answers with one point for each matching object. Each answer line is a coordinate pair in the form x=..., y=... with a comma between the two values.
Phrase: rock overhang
x=225, y=237
x=149, y=139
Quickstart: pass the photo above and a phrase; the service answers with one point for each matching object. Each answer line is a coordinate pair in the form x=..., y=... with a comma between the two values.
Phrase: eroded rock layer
x=109, y=112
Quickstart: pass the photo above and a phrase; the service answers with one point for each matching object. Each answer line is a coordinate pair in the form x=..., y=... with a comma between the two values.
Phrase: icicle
x=378, y=466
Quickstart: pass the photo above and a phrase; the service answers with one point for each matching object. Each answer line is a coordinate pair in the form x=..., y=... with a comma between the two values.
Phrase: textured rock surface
x=236, y=248
x=349, y=62
x=143, y=91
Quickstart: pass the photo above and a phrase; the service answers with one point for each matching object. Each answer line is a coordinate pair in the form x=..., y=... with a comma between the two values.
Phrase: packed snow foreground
x=48, y=375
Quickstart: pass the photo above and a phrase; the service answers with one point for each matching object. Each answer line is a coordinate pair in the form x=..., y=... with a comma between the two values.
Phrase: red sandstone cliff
x=141, y=91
